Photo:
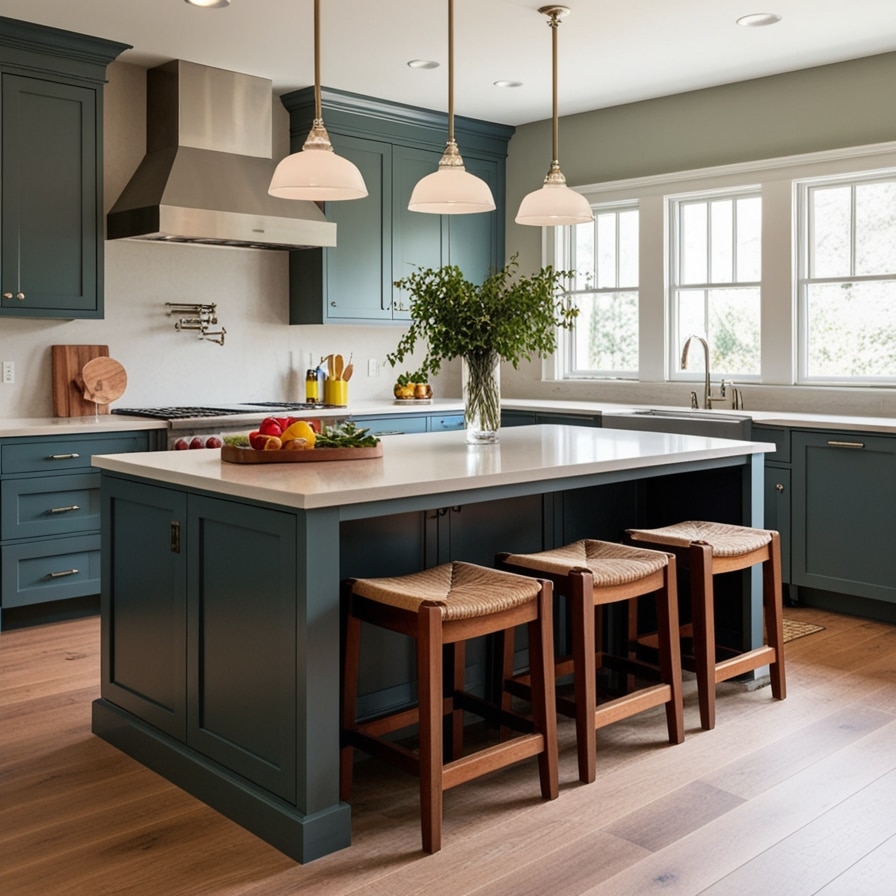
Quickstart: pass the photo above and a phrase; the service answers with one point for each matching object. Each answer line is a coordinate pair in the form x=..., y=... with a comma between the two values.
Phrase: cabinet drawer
x=781, y=438
x=56, y=569
x=45, y=506
x=64, y=454
x=446, y=423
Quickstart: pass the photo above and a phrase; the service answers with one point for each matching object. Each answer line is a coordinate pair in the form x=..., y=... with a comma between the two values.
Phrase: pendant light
x=451, y=190
x=316, y=172
x=554, y=204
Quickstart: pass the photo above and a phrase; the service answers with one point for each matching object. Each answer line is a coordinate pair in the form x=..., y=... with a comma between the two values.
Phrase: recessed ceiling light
x=209, y=4
x=505, y=83
x=758, y=19
x=422, y=63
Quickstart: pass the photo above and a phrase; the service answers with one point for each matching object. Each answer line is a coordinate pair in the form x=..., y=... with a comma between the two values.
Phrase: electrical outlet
x=9, y=372
x=373, y=367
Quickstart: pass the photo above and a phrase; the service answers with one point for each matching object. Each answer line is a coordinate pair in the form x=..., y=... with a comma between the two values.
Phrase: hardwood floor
x=793, y=797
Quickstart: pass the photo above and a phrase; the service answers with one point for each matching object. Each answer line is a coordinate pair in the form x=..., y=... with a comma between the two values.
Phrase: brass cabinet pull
x=833, y=443
x=63, y=456
x=68, y=509
x=18, y=295
x=174, y=537
x=779, y=487
x=61, y=573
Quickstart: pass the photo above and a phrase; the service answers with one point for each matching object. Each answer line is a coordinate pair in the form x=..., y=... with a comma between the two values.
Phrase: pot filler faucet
x=708, y=397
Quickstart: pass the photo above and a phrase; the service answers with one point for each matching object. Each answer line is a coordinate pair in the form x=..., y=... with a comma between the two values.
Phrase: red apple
x=213, y=442
x=196, y=442
x=181, y=444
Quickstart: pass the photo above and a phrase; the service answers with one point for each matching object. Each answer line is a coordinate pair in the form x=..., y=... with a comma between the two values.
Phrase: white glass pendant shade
x=554, y=205
x=317, y=173
x=451, y=190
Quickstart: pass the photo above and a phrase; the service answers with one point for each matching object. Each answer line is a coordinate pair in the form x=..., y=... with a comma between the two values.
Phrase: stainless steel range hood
x=208, y=164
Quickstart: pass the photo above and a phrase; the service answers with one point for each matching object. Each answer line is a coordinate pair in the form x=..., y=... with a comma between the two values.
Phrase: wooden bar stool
x=441, y=608
x=708, y=549
x=592, y=574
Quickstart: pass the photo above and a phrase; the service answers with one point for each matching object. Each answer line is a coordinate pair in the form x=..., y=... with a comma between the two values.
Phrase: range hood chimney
x=208, y=165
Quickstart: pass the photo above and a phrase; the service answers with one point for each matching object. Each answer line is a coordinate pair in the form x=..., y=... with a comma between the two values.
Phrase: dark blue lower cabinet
x=844, y=520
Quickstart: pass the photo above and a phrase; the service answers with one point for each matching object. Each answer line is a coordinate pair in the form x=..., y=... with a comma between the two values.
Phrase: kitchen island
x=220, y=594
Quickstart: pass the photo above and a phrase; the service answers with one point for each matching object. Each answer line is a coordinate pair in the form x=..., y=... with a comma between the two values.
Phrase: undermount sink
x=685, y=421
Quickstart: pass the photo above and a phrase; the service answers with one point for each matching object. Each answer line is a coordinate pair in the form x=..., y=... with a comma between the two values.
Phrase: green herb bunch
x=509, y=316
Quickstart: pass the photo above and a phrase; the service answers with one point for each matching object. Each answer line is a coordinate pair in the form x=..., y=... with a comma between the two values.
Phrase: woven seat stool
x=708, y=549
x=592, y=574
x=441, y=608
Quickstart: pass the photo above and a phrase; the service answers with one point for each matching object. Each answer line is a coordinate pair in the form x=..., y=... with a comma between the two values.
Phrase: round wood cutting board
x=104, y=380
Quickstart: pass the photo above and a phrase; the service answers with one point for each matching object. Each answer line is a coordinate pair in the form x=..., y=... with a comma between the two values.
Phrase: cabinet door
x=844, y=519
x=49, y=264
x=417, y=238
x=353, y=280
x=777, y=511
x=241, y=649
x=473, y=239
x=144, y=601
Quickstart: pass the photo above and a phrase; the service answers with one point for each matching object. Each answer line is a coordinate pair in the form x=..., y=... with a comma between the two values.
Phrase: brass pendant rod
x=450, y=71
x=318, y=112
x=555, y=145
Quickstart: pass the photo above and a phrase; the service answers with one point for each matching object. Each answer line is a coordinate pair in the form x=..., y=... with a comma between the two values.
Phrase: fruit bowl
x=235, y=455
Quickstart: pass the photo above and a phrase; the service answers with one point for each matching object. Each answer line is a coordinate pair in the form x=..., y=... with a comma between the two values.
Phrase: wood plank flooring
x=793, y=797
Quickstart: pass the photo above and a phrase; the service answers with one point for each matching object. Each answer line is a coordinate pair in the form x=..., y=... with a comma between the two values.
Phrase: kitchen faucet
x=708, y=397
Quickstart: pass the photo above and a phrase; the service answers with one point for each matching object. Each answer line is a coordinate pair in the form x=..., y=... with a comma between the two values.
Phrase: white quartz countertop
x=36, y=426
x=55, y=426
x=429, y=464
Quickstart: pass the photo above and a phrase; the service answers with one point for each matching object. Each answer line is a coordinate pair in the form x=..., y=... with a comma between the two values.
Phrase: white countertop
x=37, y=426
x=428, y=464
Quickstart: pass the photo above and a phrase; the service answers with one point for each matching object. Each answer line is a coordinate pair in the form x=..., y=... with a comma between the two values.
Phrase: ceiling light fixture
x=554, y=204
x=209, y=4
x=451, y=190
x=759, y=19
x=315, y=172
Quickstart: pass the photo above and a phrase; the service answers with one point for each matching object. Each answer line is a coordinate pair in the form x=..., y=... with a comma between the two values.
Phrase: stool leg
x=429, y=698
x=772, y=600
x=703, y=617
x=351, y=662
x=670, y=651
x=544, y=703
x=581, y=608
x=457, y=658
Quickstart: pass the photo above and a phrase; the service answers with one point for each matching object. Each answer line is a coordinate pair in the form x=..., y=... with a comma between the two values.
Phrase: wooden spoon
x=347, y=373
x=339, y=364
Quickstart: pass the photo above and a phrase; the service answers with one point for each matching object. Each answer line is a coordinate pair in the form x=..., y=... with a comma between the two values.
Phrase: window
x=847, y=284
x=714, y=278
x=604, y=256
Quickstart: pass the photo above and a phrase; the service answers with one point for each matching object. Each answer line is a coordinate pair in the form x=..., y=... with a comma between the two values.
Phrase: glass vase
x=481, y=380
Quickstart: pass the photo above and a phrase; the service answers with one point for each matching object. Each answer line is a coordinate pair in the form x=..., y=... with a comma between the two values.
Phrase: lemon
x=301, y=429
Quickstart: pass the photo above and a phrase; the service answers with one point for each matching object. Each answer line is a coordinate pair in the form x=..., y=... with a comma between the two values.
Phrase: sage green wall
x=847, y=104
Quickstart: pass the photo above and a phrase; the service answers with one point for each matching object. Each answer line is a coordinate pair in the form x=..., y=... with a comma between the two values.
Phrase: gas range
x=196, y=424
x=207, y=412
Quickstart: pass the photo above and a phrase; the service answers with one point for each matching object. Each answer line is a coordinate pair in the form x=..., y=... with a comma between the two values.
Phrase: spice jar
x=312, y=390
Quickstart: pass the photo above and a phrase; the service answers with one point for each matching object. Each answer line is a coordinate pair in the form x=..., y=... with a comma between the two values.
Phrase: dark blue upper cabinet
x=378, y=239
x=51, y=236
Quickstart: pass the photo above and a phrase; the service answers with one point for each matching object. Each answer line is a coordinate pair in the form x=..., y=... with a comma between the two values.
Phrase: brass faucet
x=707, y=386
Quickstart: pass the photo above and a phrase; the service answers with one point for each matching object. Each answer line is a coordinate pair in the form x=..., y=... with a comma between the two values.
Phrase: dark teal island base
x=220, y=589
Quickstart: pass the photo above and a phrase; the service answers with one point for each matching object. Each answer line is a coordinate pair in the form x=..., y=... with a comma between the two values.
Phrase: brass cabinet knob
x=779, y=487
x=18, y=295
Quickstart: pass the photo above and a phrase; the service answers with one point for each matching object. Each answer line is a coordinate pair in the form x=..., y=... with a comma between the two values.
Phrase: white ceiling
x=611, y=51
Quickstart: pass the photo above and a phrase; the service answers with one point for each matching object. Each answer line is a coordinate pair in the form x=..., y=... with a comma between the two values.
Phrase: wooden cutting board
x=104, y=380
x=68, y=391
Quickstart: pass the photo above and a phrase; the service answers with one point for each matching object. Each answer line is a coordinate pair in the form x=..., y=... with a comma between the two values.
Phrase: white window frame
x=567, y=261
x=802, y=189
x=674, y=202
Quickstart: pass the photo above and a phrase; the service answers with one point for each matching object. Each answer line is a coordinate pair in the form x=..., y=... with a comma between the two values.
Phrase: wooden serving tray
x=234, y=455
